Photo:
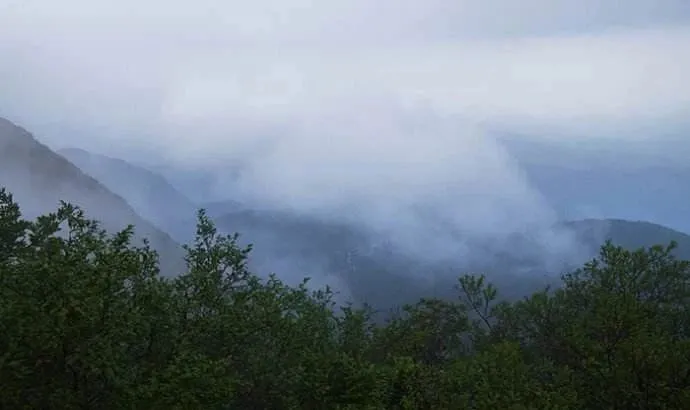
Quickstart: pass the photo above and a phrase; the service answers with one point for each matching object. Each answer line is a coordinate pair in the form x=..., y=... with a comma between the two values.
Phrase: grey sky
x=156, y=63
x=382, y=97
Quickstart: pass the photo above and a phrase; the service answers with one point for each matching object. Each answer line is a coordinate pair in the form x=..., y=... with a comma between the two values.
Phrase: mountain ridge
x=631, y=180
x=633, y=234
x=296, y=245
x=39, y=178
x=150, y=194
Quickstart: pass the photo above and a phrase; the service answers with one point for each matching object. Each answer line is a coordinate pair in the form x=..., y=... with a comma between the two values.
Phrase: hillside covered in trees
x=87, y=321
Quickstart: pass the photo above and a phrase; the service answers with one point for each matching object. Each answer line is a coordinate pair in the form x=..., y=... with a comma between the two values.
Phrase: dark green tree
x=87, y=321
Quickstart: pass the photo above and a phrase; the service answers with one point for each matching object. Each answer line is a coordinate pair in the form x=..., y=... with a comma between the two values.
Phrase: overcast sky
x=377, y=96
x=141, y=66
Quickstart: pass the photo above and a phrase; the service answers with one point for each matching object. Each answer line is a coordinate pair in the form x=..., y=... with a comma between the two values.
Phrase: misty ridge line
x=272, y=254
x=39, y=179
x=417, y=220
x=390, y=206
x=378, y=132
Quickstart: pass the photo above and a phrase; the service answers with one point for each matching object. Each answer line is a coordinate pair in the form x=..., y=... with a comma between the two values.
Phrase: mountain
x=150, y=194
x=368, y=266
x=609, y=179
x=351, y=258
x=373, y=270
x=631, y=234
x=39, y=178
x=348, y=258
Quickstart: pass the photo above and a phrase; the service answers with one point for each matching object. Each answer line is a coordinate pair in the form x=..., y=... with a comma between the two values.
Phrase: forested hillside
x=87, y=321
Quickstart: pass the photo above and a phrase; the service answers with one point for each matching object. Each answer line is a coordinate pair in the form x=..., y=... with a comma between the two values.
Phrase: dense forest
x=87, y=321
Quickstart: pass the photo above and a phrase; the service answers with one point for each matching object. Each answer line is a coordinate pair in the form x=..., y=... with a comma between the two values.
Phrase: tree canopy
x=87, y=321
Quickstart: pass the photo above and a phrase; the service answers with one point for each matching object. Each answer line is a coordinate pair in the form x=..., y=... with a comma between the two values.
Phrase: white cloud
x=337, y=101
x=164, y=62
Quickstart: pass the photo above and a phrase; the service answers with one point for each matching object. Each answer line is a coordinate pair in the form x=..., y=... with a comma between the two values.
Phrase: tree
x=619, y=324
x=87, y=321
x=74, y=308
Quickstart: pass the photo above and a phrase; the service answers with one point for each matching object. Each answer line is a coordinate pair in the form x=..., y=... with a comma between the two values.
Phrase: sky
x=329, y=105
x=577, y=67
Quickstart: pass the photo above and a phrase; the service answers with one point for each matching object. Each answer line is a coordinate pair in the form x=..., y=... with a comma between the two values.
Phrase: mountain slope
x=295, y=246
x=347, y=258
x=371, y=267
x=151, y=195
x=39, y=178
x=631, y=180
x=631, y=234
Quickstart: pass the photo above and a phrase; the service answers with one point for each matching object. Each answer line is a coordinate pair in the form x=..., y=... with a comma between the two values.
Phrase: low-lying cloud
x=373, y=111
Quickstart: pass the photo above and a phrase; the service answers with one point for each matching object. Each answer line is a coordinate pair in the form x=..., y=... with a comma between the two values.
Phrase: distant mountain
x=39, y=178
x=630, y=234
x=374, y=271
x=609, y=179
x=150, y=194
x=296, y=246
x=369, y=267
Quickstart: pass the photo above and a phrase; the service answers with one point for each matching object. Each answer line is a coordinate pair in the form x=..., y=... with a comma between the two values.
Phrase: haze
x=387, y=113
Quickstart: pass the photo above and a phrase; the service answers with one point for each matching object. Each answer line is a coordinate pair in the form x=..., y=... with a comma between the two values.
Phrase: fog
x=384, y=114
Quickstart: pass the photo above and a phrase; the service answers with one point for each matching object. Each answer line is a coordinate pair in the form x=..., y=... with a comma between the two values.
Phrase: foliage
x=87, y=321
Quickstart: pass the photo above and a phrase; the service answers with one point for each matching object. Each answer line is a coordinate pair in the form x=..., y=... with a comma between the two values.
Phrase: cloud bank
x=374, y=111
